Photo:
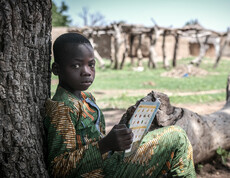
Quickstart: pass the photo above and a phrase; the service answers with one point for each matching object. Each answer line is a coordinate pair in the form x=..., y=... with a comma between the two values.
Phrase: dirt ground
x=212, y=168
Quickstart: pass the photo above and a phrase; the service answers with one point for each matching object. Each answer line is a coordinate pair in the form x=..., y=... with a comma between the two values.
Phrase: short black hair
x=67, y=38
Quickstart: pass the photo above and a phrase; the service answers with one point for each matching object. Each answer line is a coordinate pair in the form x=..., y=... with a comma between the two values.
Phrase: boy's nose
x=86, y=71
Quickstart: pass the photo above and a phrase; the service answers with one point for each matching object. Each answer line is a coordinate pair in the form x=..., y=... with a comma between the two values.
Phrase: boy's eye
x=92, y=65
x=77, y=66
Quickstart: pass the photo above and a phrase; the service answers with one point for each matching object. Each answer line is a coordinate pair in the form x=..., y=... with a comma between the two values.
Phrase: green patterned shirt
x=74, y=128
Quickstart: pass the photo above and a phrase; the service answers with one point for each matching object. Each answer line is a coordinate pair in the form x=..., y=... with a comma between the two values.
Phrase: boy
x=77, y=144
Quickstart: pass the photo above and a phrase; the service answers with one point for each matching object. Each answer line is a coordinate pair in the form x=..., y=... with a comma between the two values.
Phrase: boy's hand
x=118, y=139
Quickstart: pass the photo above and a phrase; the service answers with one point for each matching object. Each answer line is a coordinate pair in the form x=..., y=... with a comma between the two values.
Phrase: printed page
x=141, y=121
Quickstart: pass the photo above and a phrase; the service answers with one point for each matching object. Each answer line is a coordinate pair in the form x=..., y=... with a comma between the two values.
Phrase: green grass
x=194, y=99
x=129, y=79
x=121, y=101
x=109, y=79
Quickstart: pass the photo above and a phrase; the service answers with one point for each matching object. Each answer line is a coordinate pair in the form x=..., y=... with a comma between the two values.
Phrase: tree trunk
x=96, y=54
x=203, y=48
x=131, y=48
x=220, y=49
x=165, y=62
x=25, y=49
x=152, y=51
x=152, y=57
x=175, y=49
x=117, y=44
x=125, y=53
x=206, y=133
x=112, y=54
x=99, y=59
x=139, y=52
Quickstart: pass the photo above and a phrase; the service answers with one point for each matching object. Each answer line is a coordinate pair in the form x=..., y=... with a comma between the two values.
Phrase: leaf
x=223, y=160
x=219, y=151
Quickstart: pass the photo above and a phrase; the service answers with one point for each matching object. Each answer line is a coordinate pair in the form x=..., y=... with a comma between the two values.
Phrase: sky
x=212, y=14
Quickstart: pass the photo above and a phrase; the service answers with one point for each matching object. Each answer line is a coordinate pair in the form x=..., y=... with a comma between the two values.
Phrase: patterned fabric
x=165, y=151
x=75, y=126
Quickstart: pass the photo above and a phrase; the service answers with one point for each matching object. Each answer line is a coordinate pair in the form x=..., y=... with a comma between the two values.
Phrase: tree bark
x=205, y=132
x=152, y=57
x=175, y=49
x=96, y=54
x=165, y=62
x=25, y=49
x=112, y=54
x=220, y=49
x=118, y=40
x=152, y=51
x=139, y=52
x=131, y=48
x=203, y=48
x=125, y=53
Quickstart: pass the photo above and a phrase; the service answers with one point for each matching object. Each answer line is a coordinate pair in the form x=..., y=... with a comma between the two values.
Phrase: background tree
x=92, y=19
x=58, y=16
x=25, y=41
x=192, y=22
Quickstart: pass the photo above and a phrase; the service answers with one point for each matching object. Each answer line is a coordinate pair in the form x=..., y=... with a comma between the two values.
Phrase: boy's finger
x=124, y=131
x=119, y=126
x=128, y=137
x=127, y=144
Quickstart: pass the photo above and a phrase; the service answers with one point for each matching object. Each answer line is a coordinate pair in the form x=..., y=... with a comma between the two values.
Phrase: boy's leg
x=165, y=151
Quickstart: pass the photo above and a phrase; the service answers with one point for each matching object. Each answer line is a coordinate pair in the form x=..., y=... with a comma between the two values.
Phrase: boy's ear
x=55, y=68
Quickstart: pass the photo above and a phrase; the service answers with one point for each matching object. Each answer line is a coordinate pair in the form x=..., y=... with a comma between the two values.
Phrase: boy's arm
x=64, y=157
x=118, y=139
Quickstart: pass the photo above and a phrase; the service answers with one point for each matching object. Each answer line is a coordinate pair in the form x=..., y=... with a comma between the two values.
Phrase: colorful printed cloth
x=74, y=128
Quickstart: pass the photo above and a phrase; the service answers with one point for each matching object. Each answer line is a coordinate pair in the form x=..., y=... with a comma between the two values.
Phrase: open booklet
x=140, y=122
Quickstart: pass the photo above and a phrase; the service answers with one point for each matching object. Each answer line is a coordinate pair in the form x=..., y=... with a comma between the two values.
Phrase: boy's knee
x=177, y=135
x=178, y=131
x=177, y=128
x=172, y=135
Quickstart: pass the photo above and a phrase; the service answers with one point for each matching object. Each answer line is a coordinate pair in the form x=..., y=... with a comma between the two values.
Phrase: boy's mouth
x=86, y=82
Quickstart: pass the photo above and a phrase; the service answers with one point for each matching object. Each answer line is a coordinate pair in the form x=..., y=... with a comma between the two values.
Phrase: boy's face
x=77, y=68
